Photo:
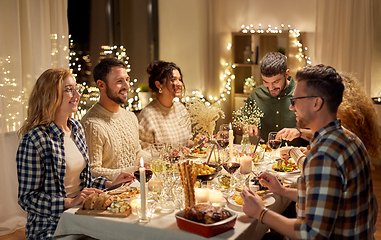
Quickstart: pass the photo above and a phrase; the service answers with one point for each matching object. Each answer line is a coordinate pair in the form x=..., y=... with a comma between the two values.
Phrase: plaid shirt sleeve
x=35, y=196
x=322, y=197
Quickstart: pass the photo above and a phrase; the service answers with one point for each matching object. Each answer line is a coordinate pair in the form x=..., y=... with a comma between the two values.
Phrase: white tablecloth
x=162, y=226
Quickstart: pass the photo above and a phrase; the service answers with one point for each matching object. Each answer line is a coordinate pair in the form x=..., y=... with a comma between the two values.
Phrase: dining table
x=161, y=226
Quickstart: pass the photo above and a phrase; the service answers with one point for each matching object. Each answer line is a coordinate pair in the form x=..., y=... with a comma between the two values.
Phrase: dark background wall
x=128, y=23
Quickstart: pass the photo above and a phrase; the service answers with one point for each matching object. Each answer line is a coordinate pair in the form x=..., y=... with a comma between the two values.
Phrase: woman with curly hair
x=358, y=115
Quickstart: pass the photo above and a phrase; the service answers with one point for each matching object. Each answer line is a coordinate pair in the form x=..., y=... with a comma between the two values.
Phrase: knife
x=117, y=185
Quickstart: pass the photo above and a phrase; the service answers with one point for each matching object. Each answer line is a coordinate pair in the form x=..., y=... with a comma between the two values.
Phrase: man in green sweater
x=273, y=98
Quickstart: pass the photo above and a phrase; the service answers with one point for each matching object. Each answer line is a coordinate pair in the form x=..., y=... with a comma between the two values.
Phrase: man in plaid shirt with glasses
x=334, y=195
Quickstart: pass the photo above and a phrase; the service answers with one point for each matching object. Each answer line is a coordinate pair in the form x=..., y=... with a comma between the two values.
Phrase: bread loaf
x=97, y=201
x=107, y=202
x=86, y=204
x=100, y=201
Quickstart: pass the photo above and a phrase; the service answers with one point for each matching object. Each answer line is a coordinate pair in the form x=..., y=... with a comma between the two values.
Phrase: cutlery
x=199, y=142
x=117, y=185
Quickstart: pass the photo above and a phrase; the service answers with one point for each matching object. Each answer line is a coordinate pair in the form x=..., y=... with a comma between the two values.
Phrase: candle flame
x=141, y=162
x=230, y=125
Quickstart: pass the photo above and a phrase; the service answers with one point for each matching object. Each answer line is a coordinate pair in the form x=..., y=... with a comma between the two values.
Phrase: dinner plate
x=197, y=155
x=270, y=168
x=268, y=201
x=260, y=163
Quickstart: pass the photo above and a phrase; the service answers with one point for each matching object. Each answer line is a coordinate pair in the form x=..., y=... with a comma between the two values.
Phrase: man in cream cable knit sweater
x=112, y=133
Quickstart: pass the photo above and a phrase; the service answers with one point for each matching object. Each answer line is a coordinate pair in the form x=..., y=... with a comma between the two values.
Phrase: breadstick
x=192, y=199
x=187, y=193
x=183, y=182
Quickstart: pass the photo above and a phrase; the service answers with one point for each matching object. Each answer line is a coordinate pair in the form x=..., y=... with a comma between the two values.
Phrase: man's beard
x=302, y=123
x=280, y=89
x=114, y=97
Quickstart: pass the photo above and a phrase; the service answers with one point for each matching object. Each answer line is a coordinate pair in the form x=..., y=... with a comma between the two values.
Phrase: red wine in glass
x=231, y=167
x=275, y=144
x=223, y=142
x=148, y=175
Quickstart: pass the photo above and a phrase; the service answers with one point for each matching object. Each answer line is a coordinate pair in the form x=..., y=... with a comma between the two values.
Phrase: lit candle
x=142, y=173
x=245, y=163
x=215, y=196
x=136, y=205
x=231, y=137
x=202, y=195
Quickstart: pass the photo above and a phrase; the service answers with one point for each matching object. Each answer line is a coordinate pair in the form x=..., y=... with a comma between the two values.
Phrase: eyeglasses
x=292, y=99
x=71, y=90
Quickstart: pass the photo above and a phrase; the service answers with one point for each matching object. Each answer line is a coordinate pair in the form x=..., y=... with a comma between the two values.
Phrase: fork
x=199, y=142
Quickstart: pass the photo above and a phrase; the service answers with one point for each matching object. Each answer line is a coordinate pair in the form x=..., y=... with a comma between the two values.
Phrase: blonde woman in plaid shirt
x=161, y=121
x=335, y=193
x=52, y=160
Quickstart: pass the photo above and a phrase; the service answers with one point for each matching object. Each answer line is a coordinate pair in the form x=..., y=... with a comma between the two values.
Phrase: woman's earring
x=160, y=91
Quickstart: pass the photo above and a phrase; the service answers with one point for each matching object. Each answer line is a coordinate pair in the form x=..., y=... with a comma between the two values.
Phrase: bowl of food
x=219, y=220
x=207, y=172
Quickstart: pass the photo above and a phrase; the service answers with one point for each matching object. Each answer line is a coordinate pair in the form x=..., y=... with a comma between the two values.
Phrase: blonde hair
x=44, y=100
x=358, y=115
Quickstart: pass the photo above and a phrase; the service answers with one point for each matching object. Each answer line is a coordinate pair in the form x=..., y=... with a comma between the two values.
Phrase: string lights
x=227, y=75
x=294, y=33
x=80, y=67
x=91, y=94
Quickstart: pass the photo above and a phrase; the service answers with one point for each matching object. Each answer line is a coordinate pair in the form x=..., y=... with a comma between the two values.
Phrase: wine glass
x=148, y=175
x=274, y=143
x=157, y=162
x=223, y=139
x=231, y=167
x=174, y=152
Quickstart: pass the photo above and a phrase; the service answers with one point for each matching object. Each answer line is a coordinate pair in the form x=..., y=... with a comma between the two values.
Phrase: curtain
x=346, y=38
x=34, y=37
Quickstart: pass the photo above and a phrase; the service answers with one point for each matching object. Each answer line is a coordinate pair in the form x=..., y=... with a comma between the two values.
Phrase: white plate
x=135, y=184
x=270, y=168
x=197, y=155
x=268, y=201
x=260, y=163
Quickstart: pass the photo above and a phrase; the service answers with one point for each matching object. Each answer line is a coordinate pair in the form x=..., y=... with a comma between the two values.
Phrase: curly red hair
x=358, y=115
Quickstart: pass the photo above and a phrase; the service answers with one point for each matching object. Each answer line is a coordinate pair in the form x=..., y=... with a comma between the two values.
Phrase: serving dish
x=205, y=230
x=208, y=177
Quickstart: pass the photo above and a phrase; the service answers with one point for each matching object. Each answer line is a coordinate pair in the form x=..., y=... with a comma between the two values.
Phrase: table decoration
x=231, y=139
x=215, y=196
x=142, y=180
x=202, y=116
x=202, y=195
x=246, y=164
x=248, y=115
x=136, y=205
